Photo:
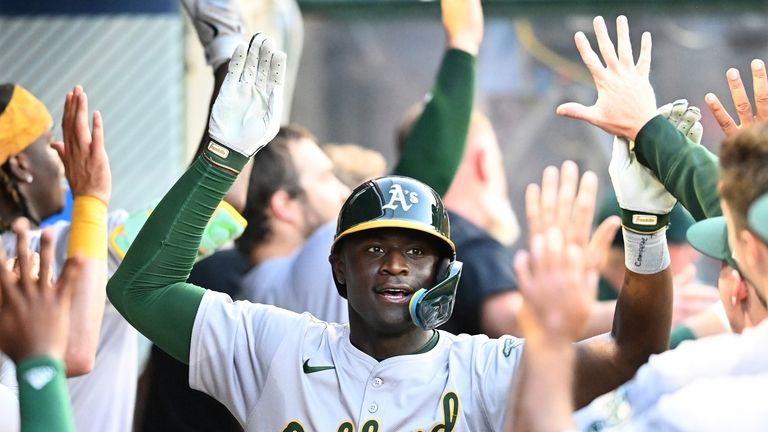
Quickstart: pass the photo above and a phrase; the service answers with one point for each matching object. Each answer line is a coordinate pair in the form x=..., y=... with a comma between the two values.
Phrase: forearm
x=435, y=145
x=641, y=327
x=43, y=397
x=542, y=394
x=87, y=240
x=687, y=170
x=148, y=287
x=600, y=319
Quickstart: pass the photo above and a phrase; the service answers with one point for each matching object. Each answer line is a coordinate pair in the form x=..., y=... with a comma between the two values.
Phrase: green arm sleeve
x=688, y=170
x=149, y=287
x=43, y=396
x=435, y=146
x=680, y=334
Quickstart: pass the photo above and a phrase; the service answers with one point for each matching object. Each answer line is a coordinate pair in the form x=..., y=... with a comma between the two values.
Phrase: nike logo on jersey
x=312, y=369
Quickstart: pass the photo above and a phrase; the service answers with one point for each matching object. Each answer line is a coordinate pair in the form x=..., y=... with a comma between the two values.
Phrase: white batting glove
x=686, y=118
x=645, y=203
x=247, y=111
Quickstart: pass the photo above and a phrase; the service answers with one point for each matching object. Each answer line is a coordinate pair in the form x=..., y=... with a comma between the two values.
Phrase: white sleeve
x=494, y=368
x=232, y=348
x=717, y=404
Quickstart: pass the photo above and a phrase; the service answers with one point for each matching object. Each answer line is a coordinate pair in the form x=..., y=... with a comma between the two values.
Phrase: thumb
x=576, y=111
x=620, y=151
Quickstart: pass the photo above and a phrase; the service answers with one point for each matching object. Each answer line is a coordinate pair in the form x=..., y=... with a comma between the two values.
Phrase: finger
x=739, y=96
x=569, y=178
x=665, y=110
x=265, y=58
x=623, y=42
x=6, y=281
x=250, y=70
x=97, y=137
x=549, y=181
x=522, y=268
x=678, y=109
x=46, y=259
x=553, y=258
x=575, y=265
x=537, y=254
x=277, y=71
x=584, y=210
x=696, y=132
x=65, y=116
x=59, y=147
x=82, y=131
x=21, y=228
x=602, y=239
x=604, y=43
x=760, y=87
x=588, y=55
x=579, y=112
x=644, y=59
x=533, y=209
x=689, y=118
x=726, y=122
x=237, y=62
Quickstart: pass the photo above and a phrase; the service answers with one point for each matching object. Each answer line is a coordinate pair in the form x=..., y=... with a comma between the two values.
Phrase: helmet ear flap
x=334, y=260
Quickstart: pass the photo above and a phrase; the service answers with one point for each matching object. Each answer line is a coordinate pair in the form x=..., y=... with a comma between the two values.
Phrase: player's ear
x=755, y=250
x=337, y=268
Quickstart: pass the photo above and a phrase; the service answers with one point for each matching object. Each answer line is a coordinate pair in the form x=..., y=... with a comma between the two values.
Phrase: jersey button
x=373, y=408
x=377, y=382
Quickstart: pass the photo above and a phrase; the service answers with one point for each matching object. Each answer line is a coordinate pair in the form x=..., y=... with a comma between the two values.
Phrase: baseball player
x=388, y=369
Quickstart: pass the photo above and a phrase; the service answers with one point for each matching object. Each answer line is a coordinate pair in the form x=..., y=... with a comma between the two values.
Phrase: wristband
x=646, y=253
x=224, y=158
x=644, y=222
x=88, y=232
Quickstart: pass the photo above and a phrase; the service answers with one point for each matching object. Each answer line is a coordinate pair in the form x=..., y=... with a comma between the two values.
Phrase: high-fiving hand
x=247, y=111
x=744, y=109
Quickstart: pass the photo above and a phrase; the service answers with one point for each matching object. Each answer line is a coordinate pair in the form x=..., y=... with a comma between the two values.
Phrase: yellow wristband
x=88, y=232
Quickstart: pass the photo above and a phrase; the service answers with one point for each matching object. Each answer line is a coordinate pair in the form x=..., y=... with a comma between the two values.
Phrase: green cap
x=679, y=219
x=710, y=237
x=757, y=217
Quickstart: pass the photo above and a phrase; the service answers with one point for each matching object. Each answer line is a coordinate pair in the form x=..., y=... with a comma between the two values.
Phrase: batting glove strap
x=224, y=158
x=644, y=222
x=646, y=253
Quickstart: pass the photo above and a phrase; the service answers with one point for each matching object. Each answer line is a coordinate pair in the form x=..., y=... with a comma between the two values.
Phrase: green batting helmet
x=402, y=202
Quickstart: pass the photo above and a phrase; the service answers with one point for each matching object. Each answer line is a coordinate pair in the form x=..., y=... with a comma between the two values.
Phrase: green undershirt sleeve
x=43, y=396
x=688, y=170
x=435, y=146
x=679, y=335
x=149, y=287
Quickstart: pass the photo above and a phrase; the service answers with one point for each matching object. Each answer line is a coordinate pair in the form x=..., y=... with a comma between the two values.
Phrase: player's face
x=381, y=269
x=324, y=193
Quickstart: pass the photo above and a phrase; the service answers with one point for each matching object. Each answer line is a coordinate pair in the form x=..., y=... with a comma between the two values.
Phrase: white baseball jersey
x=280, y=371
x=102, y=400
x=302, y=282
x=699, y=386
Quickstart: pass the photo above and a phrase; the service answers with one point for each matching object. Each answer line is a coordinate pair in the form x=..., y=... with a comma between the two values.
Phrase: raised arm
x=439, y=135
x=148, y=287
x=87, y=170
x=34, y=328
x=626, y=107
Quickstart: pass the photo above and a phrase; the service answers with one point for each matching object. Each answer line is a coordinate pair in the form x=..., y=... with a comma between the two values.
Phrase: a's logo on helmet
x=397, y=198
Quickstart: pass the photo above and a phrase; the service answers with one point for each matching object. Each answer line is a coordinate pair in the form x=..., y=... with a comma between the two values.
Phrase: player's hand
x=558, y=277
x=463, y=24
x=34, y=311
x=85, y=159
x=246, y=113
x=744, y=109
x=625, y=98
x=556, y=203
x=686, y=118
x=644, y=200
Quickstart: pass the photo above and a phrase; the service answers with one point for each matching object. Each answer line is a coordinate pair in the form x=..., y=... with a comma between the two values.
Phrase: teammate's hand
x=34, y=311
x=686, y=118
x=558, y=277
x=463, y=24
x=246, y=114
x=744, y=108
x=85, y=159
x=690, y=296
x=625, y=98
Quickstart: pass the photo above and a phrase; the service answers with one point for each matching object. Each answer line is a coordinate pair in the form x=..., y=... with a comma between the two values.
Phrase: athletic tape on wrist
x=646, y=253
x=88, y=232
